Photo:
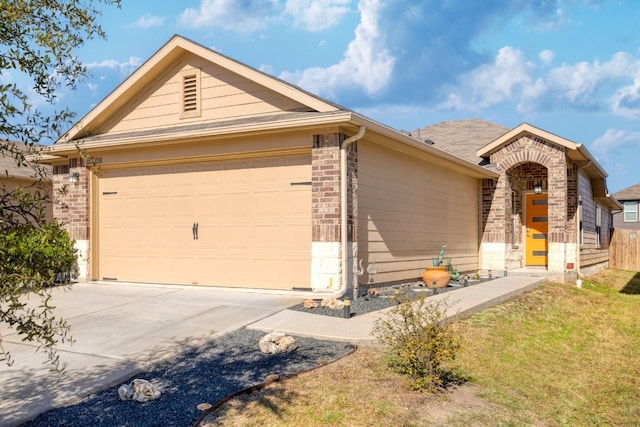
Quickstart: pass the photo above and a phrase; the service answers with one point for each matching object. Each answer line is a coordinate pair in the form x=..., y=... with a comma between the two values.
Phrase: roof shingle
x=461, y=138
x=629, y=193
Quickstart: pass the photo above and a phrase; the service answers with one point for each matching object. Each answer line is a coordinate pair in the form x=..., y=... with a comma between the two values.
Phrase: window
x=581, y=229
x=598, y=226
x=190, y=102
x=630, y=211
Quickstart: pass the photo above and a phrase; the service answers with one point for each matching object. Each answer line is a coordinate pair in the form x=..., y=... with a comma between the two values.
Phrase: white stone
x=493, y=256
x=139, y=391
x=277, y=342
x=82, y=248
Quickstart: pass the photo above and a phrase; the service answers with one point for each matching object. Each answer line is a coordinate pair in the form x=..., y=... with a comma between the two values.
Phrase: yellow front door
x=537, y=224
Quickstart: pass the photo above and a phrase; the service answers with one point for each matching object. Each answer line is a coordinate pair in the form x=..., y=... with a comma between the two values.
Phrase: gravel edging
x=208, y=374
x=387, y=297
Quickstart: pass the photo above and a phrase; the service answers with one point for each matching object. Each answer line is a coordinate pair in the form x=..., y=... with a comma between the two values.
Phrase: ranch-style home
x=201, y=170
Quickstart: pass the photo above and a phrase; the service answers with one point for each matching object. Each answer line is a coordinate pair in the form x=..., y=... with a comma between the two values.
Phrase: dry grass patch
x=556, y=356
x=359, y=390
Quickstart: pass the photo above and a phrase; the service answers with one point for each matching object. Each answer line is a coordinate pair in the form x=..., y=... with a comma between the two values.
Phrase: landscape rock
x=332, y=303
x=277, y=342
x=139, y=391
x=309, y=303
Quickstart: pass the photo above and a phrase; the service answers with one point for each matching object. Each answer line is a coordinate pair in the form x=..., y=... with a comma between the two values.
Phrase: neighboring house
x=26, y=175
x=629, y=216
x=202, y=170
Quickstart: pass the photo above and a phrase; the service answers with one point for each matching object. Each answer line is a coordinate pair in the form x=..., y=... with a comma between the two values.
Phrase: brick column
x=71, y=208
x=325, y=192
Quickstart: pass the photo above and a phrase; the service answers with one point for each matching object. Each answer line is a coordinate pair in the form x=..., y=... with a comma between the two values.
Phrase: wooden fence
x=624, y=250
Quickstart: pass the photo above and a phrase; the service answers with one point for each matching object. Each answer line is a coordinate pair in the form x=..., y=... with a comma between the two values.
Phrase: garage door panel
x=238, y=204
x=249, y=216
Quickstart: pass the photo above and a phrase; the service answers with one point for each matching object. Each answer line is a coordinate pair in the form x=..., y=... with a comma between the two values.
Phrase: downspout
x=344, y=229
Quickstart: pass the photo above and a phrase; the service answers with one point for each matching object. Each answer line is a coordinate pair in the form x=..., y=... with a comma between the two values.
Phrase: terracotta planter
x=436, y=277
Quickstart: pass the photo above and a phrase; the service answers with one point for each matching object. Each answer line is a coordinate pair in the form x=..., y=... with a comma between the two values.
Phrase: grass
x=557, y=356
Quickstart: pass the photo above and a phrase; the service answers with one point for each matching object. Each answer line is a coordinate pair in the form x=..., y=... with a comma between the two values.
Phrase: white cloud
x=546, y=56
x=5, y=77
x=603, y=85
x=148, y=21
x=367, y=63
x=124, y=67
x=93, y=87
x=613, y=139
x=317, y=15
x=492, y=84
x=241, y=16
x=626, y=100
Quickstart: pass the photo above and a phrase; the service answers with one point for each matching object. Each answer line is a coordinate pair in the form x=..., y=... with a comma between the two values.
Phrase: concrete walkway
x=121, y=329
x=465, y=302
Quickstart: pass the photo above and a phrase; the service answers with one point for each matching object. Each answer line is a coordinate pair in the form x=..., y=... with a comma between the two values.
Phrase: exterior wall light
x=537, y=189
x=74, y=177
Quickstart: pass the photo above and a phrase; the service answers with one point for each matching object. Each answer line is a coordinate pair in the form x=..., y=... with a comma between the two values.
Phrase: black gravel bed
x=225, y=366
x=388, y=297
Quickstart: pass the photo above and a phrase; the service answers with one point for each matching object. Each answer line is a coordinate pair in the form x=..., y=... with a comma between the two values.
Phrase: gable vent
x=190, y=90
x=190, y=94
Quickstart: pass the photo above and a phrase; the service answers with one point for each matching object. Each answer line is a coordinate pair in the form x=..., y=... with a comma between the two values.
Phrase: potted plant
x=442, y=271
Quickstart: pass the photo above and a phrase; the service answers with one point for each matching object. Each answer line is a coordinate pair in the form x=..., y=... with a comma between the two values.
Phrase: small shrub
x=420, y=341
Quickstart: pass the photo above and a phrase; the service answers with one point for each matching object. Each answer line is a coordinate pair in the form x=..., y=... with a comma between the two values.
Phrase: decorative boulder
x=332, y=303
x=139, y=391
x=309, y=303
x=277, y=342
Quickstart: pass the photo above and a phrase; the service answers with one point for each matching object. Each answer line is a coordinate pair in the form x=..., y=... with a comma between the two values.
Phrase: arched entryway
x=527, y=208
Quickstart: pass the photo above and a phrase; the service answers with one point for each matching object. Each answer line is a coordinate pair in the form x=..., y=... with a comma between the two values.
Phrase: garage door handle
x=195, y=231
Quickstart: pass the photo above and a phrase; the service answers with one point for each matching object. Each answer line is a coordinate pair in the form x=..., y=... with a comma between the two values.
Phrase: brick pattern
x=72, y=200
x=325, y=188
x=521, y=164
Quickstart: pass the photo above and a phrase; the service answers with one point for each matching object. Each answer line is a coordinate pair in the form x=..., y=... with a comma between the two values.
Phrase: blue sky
x=571, y=67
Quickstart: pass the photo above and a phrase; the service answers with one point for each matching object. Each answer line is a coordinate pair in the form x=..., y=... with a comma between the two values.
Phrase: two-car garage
x=239, y=222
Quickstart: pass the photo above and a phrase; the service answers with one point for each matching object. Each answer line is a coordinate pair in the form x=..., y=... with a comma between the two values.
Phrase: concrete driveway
x=119, y=329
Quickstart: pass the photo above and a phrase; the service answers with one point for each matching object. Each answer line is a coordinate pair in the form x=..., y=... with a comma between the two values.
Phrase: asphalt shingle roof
x=10, y=169
x=461, y=138
x=629, y=193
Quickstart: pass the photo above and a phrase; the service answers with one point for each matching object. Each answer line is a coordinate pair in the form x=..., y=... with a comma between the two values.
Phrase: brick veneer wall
x=71, y=208
x=325, y=188
x=326, y=269
x=526, y=149
x=71, y=205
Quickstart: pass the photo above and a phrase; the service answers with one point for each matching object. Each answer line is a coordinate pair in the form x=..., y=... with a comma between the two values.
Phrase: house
x=549, y=207
x=201, y=170
x=628, y=217
x=16, y=172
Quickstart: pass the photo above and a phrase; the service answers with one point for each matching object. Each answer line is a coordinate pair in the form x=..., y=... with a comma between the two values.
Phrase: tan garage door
x=226, y=223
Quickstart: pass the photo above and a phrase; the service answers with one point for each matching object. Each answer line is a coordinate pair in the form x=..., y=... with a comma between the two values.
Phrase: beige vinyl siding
x=408, y=208
x=269, y=145
x=8, y=185
x=224, y=95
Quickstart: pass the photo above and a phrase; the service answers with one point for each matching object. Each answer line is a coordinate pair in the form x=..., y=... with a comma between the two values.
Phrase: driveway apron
x=119, y=329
